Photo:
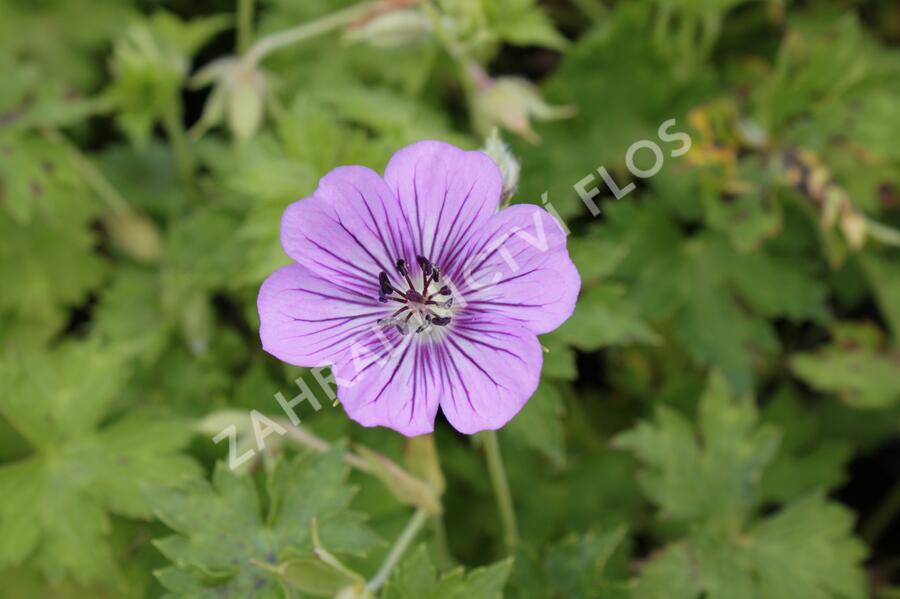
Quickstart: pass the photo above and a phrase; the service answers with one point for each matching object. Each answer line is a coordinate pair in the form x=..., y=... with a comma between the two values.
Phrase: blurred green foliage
x=718, y=418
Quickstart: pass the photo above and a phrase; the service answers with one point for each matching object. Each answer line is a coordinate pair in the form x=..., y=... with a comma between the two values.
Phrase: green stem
x=89, y=173
x=884, y=515
x=244, y=25
x=390, y=562
x=307, y=30
x=882, y=233
x=501, y=490
x=177, y=137
x=441, y=545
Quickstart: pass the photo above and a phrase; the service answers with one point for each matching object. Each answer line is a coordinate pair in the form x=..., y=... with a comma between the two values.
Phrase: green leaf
x=809, y=458
x=539, y=423
x=856, y=366
x=884, y=277
x=576, y=565
x=55, y=507
x=222, y=528
x=416, y=577
x=709, y=479
x=805, y=550
x=150, y=61
x=522, y=23
x=709, y=473
x=604, y=317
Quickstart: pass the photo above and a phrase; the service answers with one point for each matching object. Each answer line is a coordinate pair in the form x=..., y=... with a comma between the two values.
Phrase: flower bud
x=136, y=235
x=511, y=102
x=245, y=103
x=394, y=29
x=356, y=591
x=509, y=166
x=853, y=226
x=239, y=95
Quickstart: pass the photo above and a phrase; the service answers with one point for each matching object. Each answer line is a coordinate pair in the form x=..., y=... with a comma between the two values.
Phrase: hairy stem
x=94, y=179
x=442, y=547
x=307, y=439
x=244, y=25
x=307, y=30
x=390, y=562
x=501, y=490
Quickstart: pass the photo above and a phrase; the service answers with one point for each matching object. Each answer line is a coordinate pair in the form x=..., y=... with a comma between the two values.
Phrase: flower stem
x=89, y=173
x=307, y=30
x=501, y=490
x=441, y=545
x=883, y=516
x=244, y=25
x=390, y=562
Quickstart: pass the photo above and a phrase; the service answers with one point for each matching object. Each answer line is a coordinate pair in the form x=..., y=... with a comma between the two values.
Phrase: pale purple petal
x=308, y=320
x=519, y=268
x=446, y=194
x=349, y=230
x=481, y=374
x=390, y=382
x=488, y=367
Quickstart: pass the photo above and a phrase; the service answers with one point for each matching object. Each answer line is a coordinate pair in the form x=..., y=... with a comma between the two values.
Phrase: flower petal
x=308, y=320
x=446, y=193
x=488, y=368
x=350, y=229
x=520, y=268
x=391, y=385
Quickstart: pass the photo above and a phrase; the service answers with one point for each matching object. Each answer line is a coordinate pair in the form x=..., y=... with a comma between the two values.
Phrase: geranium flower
x=418, y=292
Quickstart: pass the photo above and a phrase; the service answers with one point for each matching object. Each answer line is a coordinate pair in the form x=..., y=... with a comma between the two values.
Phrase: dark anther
x=383, y=298
x=435, y=274
x=440, y=321
x=445, y=290
x=401, y=266
x=425, y=265
x=402, y=327
x=385, y=284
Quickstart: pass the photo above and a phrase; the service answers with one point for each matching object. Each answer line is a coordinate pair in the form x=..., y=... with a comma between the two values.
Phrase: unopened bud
x=356, y=591
x=245, y=103
x=394, y=29
x=511, y=102
x=509, y=166
x=239, y=96
x=853, y=225
x=136, y=235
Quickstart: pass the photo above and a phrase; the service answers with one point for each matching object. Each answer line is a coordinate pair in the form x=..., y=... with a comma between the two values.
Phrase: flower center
x=422, y=308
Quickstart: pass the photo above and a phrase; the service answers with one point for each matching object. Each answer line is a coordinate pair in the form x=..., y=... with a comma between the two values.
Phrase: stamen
x=418, y=303
x=385, y=283
x=425, y=265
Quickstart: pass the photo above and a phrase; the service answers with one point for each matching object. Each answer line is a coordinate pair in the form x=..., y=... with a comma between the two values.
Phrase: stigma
x=423, y=306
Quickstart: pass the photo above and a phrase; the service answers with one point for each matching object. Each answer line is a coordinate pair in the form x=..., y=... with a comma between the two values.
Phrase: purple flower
x=418, y=292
